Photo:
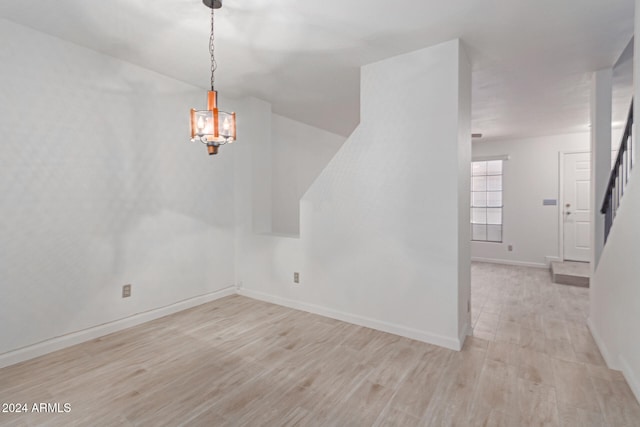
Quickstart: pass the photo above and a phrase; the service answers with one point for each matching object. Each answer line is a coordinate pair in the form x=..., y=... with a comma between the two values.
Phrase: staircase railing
x=619, y=176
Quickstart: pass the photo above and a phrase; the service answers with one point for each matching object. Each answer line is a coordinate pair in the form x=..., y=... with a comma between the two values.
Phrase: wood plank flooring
x=237, y=362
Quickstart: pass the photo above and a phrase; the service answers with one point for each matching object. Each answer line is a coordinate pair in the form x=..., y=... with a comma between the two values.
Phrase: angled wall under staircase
x=384, y=229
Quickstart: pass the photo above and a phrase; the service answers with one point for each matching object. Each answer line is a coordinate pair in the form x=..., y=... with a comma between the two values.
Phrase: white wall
x=259, y=124
x=299, y=153
x=251, y=169
x=100, y=187
x=601, y=150
x=615, y=285
x=615, y=290
x=380, y=235
x=530, y=175
x=464, y=203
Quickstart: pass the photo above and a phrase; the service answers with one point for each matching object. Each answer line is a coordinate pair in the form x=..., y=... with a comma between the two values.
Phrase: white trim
x=609, y=360
x=631, y=378
x=618, y=363
x=467, y=331
x=561, y=205
x=634, y=146
x=430, y=338
x=490, y=158
x=510, y=262
x=551, y=259
x=39, y=349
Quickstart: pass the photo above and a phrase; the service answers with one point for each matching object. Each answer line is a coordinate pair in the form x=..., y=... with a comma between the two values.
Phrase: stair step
x=570, y=273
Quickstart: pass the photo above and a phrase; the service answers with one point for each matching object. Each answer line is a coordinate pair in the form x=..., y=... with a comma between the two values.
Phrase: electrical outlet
x=510, y=248
x=296, y=277
x=126, y=291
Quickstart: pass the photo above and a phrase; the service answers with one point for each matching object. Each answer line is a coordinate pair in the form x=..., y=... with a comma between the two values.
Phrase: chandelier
x=212, y=126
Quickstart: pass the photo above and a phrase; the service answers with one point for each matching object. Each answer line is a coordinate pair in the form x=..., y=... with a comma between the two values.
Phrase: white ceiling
x=531, y=58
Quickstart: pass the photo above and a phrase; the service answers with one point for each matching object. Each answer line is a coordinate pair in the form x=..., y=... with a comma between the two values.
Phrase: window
x=486, y=201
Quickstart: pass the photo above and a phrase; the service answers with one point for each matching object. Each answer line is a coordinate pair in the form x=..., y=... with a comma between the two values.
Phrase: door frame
x=561, y=203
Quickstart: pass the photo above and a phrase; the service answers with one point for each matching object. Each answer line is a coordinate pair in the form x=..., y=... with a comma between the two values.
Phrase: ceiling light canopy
x=213, y=127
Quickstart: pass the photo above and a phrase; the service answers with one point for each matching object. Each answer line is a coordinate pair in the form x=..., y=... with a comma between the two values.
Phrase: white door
x=576, y=206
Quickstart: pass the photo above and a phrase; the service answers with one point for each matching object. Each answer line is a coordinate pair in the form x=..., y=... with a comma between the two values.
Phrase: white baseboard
x=631, y=378
x=466, y=332
x=612, y=362
x=551, y=259
x=618, y=363
x=442, y=341
x=510, y=262
x=609, y=360
x=58, y=343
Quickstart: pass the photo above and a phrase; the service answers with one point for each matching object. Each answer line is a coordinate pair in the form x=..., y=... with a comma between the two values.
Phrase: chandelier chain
x=212, y=51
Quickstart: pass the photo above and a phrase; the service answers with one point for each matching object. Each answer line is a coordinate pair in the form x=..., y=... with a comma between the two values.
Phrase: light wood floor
x=237, y=361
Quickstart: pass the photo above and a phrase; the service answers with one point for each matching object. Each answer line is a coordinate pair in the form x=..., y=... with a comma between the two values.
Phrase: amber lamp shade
x=212, y=126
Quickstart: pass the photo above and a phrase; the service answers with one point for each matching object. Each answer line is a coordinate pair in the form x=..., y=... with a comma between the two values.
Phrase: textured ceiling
x=531, y=59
